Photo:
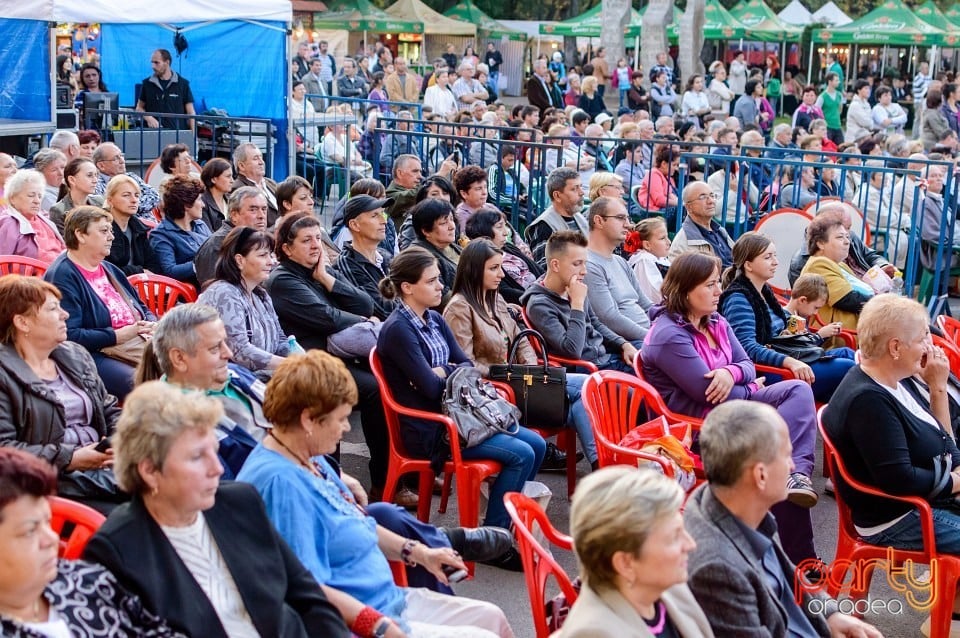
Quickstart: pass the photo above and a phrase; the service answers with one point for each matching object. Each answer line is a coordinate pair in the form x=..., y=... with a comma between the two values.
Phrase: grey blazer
x=728, y=580
x=607, y=614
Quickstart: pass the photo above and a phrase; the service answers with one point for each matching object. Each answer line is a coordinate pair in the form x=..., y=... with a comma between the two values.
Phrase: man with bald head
x=699, y=230
x=109, y=160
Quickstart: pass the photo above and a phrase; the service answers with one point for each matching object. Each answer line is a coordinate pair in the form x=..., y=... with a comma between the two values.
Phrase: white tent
x=147, y=11
x=832, y=15
x=796, y=13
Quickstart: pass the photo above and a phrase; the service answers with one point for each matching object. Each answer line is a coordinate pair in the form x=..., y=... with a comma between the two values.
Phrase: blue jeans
x=905, y=533
x=577, y=417
x=520, y=455
x=623, y=96
x=830, y=372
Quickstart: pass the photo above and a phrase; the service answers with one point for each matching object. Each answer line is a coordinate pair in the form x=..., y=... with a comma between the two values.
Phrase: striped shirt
x=429, y=331
x=921, y=83
x=198, y=550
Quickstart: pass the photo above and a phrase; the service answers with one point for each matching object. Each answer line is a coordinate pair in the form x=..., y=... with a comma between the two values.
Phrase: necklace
x=661, y=613
x=34, y=616
x=311, y=467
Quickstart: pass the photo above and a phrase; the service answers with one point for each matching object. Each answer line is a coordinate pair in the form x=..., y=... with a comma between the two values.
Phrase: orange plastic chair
x=538, y=563
x=160, y=293
x=469, y=473
x=19, y=265
x=950, y=328
x=75, y=523
x=616, y=403
x=854, y=551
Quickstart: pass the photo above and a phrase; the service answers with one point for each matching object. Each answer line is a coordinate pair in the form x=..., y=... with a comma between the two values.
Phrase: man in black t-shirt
x=493, y=59
x=166, y=92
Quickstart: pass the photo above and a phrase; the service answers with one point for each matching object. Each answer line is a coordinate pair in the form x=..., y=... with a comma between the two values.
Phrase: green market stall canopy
x=361, y=15
x=469, y=12
x=891, y=23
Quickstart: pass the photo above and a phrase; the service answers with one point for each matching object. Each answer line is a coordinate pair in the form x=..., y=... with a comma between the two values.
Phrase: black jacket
x=366, y=276
x=281, y=596
x=307, y=310
x=143, y=255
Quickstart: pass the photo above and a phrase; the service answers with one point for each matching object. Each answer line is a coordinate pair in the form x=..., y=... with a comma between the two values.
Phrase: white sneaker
x=828, y=486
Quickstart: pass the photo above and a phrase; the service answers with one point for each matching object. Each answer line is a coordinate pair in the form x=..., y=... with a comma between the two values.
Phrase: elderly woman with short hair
x=632, y=548
x=309, y=401
x=50, y=163
x=828, y=242
x=893, y=437
x=43, y=596
x=52, y=401
x=24, y=229
x=181, y=233
x=104, y=308
x=200, y=554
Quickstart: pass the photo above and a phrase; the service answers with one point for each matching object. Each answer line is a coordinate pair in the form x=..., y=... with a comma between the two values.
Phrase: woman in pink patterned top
x=104, y=308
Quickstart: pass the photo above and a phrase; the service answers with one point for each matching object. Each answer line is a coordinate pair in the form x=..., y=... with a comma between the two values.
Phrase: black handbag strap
x=532, y=334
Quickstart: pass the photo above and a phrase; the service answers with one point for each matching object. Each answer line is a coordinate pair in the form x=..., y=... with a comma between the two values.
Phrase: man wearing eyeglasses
x=699, y=231
x=110, y=162
x=612, y=288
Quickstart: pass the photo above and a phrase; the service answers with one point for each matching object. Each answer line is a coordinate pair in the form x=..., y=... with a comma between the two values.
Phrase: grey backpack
x=474, y=405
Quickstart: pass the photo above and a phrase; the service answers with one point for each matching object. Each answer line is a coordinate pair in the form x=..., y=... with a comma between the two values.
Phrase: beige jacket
x=607, y=614
x=482, y=340
x=408, y=92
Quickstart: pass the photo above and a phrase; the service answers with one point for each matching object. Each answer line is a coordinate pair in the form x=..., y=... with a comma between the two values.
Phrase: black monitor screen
x=100, y=101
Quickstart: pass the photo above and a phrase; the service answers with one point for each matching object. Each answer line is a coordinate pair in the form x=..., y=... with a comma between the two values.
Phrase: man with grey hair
x=781, y=145
x=109, y=160
x=189, y=349
x=665, y=126
x=66, y=142
x=402, y=189
x=538, y=93
x=467, y=89
x=51, y=163
x=565, y=191
x=246, y=206
x=739, y=572
x=251, y=171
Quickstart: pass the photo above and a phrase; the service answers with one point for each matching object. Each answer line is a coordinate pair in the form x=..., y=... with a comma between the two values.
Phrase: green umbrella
x=361, y=15
x=589, y=24
x=763, y=24
x=470, y=12
x=892, y=23
x=718, y=24
x=931, y=14
x=953, y=14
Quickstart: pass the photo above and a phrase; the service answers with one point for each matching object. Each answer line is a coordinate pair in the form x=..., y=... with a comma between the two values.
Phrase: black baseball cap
x=360, y=204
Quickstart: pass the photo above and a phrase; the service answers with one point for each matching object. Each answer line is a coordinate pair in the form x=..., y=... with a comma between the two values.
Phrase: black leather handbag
x=540, y=390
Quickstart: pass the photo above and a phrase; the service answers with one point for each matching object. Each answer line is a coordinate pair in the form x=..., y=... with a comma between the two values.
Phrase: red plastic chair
x=552, y=358
x=657, y=404
x=160, y=293
x=538, y=563
x=854, y=551
x=19, y=265
x=951, y=350
x=950, y=328
x=616, y=403
x=469, y=473
x=75, y=523
x=848, y=337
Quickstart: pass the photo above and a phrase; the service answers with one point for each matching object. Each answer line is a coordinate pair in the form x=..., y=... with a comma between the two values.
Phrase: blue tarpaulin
x=25, y=89
x=235, y=65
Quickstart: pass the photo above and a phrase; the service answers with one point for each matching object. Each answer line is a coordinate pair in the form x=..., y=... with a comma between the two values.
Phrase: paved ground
x=508, y=589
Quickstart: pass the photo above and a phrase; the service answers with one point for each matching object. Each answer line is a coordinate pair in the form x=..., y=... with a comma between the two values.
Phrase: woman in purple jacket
x=694, y=360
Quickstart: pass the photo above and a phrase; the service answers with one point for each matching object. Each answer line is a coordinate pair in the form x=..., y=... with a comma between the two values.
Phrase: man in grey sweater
x=557, y=306
x=612, y=288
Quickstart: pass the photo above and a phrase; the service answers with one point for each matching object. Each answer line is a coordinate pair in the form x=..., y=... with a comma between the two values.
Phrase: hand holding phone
x=104, y=445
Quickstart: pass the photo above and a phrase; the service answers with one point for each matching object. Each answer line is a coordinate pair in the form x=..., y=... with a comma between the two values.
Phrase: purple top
x=676, y=356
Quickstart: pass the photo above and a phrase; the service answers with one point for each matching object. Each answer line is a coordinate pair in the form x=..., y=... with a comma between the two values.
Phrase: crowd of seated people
x=440, y=271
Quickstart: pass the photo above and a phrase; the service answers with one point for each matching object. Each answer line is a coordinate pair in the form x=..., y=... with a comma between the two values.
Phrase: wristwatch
x=381, y=630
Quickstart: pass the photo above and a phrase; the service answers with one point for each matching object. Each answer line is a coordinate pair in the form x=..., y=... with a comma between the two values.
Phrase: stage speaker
x=63, y=97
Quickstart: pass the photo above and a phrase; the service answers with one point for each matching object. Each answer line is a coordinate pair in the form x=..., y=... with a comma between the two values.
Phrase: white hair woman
x=201, y=554
x=632, y=548
x=893, y=437
x=25, y=230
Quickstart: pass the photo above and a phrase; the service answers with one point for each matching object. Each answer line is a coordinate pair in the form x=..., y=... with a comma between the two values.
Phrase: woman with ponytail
x=751, y=308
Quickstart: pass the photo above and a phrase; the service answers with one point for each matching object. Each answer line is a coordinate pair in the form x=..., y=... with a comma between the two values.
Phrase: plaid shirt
x=429, y=330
